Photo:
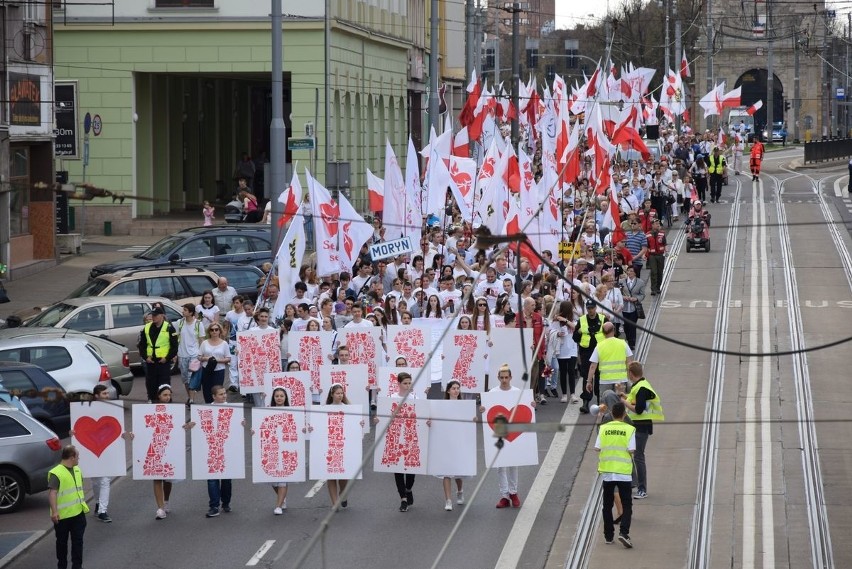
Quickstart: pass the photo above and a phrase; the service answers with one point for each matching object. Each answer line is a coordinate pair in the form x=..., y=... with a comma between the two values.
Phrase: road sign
x=97, y=125
x=304, y=143
x=841, y=93
x=393, y=248
x=87, y=123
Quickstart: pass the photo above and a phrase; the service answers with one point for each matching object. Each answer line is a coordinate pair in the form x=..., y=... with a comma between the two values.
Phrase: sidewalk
x=54, y=284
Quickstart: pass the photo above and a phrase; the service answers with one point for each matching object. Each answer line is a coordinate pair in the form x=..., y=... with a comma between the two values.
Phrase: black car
x=43, y=396
x=241, y=244
x=242, y=277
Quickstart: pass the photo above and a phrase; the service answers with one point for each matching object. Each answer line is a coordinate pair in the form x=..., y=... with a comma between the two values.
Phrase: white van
x=739, y=119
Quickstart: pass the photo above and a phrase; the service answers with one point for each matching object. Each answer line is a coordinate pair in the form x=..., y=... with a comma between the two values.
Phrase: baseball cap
x=591, y=304
x=158, y=310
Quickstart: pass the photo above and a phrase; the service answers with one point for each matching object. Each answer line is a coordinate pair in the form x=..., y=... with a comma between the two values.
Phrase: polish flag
x=755, y=107
x=290, y=198
x=732, y=98
x=684, y=66
x=461, y=144
x=474, y=88
x=376, y=188
x=354, y=232
x=612, y=220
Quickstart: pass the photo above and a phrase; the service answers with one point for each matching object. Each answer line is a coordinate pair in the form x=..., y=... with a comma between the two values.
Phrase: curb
x=36, y=536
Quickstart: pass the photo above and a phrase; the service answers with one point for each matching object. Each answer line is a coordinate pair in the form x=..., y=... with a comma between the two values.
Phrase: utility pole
x=678, y=50
x=709, y=33
x=826, y=132
x=796, y=104
x=770, y=74
x=468, y=39
x=516, y=71
x=846, y=91
x=277, y=129
x=433, y=67
x=667, y=62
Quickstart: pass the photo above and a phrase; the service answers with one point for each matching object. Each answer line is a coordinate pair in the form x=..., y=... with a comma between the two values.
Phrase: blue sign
x=87, y=123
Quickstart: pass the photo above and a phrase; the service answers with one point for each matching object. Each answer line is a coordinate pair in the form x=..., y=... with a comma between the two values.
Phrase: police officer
x=616, y=442
x=644, y=407
x=158, y=346
x=608, y=362
x=68, y=507
x=587, y=333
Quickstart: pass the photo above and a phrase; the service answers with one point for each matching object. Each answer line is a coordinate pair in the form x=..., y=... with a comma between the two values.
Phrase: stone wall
x=95, y=216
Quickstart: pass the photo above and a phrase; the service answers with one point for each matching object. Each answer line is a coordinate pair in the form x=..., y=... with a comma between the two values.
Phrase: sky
x=569, y=13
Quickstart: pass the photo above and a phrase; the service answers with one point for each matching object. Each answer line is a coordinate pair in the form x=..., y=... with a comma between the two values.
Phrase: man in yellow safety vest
x=644, y=407
x=610, y=359
x=68, y=507
x=616, y=442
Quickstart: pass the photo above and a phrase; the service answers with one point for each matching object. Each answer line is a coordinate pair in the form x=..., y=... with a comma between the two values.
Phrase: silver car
x=116, y=356
x=28, y=450
x=118, y=318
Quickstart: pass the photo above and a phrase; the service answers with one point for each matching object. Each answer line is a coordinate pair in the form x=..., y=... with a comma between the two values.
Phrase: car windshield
x=160, y=248
x=52, y=316
x=92, y=288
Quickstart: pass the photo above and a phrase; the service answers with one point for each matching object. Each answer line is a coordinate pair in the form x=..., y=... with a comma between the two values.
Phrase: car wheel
x=13, y=490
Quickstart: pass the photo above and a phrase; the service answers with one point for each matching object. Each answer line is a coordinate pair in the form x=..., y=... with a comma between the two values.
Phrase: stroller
x=698, y=234
x=234, y=211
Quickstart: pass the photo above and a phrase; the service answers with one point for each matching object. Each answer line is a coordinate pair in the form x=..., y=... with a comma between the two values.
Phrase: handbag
x=640, y=310
x=195, y=380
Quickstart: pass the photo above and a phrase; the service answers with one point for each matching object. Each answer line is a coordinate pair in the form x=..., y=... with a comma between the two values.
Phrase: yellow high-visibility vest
x=653, y=407
x=612, y=360
x=614, y=457
x=586, y=338
x=70, y=498
x=163, y=344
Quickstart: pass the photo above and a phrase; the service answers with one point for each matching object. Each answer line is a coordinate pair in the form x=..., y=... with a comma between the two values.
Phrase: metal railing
x=824, y=150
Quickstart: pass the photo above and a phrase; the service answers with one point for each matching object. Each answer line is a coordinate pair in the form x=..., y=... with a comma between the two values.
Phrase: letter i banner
x=465, y=360
x=218, y=444
x=336, y=442
x=159, y=442
x=97, y=428
x=405, y=445
x=278, y=445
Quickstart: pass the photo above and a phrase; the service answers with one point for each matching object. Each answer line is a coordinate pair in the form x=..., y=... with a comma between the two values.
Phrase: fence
x=824, y=150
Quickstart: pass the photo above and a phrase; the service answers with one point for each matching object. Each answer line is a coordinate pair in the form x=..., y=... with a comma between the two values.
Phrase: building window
x=19, y=176
x=184, y=3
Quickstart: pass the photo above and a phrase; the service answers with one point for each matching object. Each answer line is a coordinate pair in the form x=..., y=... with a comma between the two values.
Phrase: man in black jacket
x=158, y=346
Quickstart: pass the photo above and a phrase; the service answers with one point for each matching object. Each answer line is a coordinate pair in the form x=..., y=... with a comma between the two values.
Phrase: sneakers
x=212, y=513
x=403, y=506
x=161, y=514
x=503, y=503
x=542, y=400
x=410, y=497
x=608, y=540
x=625, y=540
x=277, y=511
x=166, y=507
x=344, y=504
x=564, y=399
x=575, y=399
x=516, y=502
x=640, y=495
x=584, y=409
x=448, y=505
x=460, y=497
x=104, y=517
x=226, y=508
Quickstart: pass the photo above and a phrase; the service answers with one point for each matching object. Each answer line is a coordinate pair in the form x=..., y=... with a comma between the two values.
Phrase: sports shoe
x=542, y=400
x=226, y=508
x=403, y=506
x=503, y=503
x=161, y=514
x=410, y=497
x=584, y=409
x=625, y=540
x=640, y=495
x=448, y=505
x=516, y=502
x=212, y=513
x=564, y=399
x=166, y=507
x=460, y=497
x=608, y=540
x=104, y=517
x=344, y=504
x=277, y=511
x=575, y=399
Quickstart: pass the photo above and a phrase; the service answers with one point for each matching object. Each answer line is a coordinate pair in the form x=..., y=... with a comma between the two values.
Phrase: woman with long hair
x=391, y=314
x=433, y=308
x=481, y=319
x=566, y=352
x=207, y=311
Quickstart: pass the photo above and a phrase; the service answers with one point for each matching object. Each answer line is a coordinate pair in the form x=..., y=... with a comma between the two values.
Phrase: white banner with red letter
x=520, y=449
x=405, y=445
x=365, y=347
x=297, y=384
x=353, y=378
x=159, y=441
x=278, y=444
x=217, y=442
x=336, y=441
x=412, y=342
x=97, y=427
x=259, y=353
x=311, y=349
x=465, y=359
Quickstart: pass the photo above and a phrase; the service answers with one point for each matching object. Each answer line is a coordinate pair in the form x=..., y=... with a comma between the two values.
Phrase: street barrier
x=824, y=150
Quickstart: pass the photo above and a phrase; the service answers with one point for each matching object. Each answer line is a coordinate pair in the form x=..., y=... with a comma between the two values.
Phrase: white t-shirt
x=364, y=323
x=188, y=341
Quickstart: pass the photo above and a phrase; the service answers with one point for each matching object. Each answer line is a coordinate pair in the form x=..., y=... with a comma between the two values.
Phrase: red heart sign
x=523, y=414
x=97, y=435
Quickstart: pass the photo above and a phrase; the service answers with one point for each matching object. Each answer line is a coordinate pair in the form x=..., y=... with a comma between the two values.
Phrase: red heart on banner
x=97, y=435
x=523, y=414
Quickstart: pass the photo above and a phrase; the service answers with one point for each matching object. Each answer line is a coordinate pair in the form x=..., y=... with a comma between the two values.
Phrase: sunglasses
x=482, y=305
x=214, y=329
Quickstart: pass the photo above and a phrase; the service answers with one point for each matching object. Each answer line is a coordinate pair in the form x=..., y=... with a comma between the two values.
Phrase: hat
x=624, y=181
x=158, y=310
x=591, y=304
x=418, y=289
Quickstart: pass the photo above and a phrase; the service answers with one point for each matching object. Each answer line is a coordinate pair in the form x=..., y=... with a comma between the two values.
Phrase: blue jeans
x=219, y=490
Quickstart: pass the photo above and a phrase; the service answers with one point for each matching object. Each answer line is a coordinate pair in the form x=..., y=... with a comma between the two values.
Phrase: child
x=280, y=399
x=100, y=484
x=209, y=212
x=337, y=396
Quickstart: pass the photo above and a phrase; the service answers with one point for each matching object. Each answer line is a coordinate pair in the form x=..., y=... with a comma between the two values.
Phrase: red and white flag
x=326, y=215
x=732, y=98
x=684, y=66
x=376, y=190
x=289, y=259
x=290, y=198
x=754, y=108
x=354, y=232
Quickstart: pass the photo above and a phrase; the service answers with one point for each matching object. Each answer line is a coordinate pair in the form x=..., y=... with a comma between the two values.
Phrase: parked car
x=232, y=243
x=116, y=356
x=28, y=450
x=242, y=277
x=118, y=318
x=72, y=362
x=43, y=396
x=178, y=283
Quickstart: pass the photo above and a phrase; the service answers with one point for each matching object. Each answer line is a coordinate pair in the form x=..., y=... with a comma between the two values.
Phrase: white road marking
x=133, y=249
x=314, y=489
x=255, y=559
x=838, y=187
x=514, y=546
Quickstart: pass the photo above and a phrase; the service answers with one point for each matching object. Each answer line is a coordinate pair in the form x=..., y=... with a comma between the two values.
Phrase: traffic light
x=532, y=58
x=786, y=105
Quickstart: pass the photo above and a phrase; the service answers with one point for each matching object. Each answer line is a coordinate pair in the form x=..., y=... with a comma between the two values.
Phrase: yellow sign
x=568, y=250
